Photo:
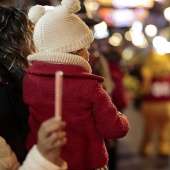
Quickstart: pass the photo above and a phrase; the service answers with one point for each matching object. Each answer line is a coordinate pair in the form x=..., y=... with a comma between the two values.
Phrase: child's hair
x=15, y=37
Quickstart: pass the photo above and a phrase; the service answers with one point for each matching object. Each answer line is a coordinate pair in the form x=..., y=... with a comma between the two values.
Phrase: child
x=62, y=39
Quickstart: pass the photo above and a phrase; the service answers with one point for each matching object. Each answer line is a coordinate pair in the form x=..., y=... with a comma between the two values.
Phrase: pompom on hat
x=59, y=29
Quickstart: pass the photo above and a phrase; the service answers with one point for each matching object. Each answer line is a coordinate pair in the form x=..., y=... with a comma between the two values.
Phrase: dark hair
x=15, y=37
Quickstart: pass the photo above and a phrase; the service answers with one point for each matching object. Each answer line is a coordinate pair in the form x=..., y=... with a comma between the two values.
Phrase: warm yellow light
x=151, y=30
x=91, y=5
x=115, y=39
x=128, y=36
x=127, y=54
x=161, y=44
x=139, y=40
x=167, y=14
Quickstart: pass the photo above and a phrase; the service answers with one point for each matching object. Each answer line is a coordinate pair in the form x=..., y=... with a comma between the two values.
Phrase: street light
x=167, y=17
x=167, y=14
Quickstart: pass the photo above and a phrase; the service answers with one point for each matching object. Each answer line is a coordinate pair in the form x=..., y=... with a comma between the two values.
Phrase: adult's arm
x=8, y=125
x=33, y=161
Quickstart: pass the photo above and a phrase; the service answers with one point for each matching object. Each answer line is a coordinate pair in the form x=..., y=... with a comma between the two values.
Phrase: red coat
x=87, y=109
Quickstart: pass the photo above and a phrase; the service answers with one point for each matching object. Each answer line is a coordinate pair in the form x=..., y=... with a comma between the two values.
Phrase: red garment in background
x=118, y=95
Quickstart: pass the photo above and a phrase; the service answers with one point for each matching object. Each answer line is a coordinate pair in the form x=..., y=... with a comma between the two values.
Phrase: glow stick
x=58, y=94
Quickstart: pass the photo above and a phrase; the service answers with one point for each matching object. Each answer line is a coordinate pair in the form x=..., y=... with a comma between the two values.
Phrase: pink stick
x=58, y=93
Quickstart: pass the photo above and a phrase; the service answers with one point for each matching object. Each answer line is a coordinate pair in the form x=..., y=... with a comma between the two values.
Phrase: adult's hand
x=51, y=137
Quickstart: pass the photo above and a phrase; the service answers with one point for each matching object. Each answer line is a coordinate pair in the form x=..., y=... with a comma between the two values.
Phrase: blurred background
x=132, y=51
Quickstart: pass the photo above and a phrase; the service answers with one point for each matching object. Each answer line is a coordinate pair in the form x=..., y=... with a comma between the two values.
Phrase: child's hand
x=51, y=138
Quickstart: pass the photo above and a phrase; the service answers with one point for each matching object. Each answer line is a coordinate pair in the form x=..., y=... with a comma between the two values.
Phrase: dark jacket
x=13, y=113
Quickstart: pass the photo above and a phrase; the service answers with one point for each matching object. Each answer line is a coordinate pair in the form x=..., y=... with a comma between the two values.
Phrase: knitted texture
x=35, y=16
x=59, y=29
x=89, y=112
x=62, y=58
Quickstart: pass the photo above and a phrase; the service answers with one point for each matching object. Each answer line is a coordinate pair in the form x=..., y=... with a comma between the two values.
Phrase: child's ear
x=78, y=52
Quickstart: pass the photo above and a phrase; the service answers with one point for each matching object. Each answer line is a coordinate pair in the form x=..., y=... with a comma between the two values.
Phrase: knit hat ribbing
x=62, y=58
x=60, y=30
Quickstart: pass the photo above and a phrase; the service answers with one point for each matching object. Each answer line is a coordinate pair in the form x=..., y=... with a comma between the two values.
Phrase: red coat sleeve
x=110, y=124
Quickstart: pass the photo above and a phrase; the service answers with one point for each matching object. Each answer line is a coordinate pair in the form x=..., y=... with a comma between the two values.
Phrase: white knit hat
x=59, y=29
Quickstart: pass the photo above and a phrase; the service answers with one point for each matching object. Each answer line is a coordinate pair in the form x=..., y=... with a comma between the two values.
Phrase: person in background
x=15, y=44
x=119, y=94
x=100, y=67
x=155, y=106
x=62, y=40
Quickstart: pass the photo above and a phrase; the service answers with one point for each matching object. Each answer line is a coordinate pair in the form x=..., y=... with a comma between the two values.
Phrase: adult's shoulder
x=5, y=99
x=4, y=95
